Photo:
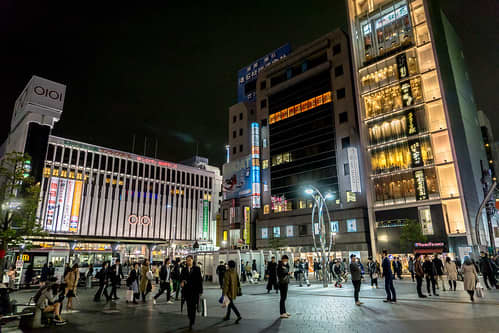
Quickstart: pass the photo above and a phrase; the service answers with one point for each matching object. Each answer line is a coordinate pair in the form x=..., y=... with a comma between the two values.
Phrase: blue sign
x=246, y=77
x=237, y=178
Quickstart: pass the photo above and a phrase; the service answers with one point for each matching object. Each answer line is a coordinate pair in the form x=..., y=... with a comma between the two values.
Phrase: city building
x=418, y=124
x=489, y=144
x=96, y=202
x=309, y=137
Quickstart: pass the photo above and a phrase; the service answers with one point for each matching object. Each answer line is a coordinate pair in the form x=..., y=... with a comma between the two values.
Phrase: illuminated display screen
x=294, y=110
x=63, y=208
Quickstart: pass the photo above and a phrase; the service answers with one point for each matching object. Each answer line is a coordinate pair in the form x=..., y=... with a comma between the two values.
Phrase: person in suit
x=391, y=296
x=192, y=287
x=103, y=277
x=164, y=284
x=272, y=276
x=116, y=276
x=221, y=269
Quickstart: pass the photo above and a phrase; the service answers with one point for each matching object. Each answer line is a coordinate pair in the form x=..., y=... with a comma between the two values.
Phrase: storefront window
x=410, y=123
x=448, y=181
x=302, y=204
x=436, y=116
x=441, y=146
x=431, y=86
x=425, y=220
x=453, y=214
x=266, y=209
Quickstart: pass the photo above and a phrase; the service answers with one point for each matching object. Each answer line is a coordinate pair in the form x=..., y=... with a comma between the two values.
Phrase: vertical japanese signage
x=75, y=208
x=420, y=184
x=402, y=66
x=247, y=219
x=51, y=204
x=255, y=165
x=353, y=162
x=59, y=209
x=405, y=88
x=415, y=149
x=206, y=216
x=67, y=206
x=412, y=127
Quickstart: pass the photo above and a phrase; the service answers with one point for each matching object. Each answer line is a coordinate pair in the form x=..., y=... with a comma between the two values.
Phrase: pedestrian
x=374, y=272
x=470, y=277
x=430, y=272
x=221, y=272
x=305, y=272
x=11, y=274
x=419, y=273
x=391, y=296
x=247, y=269
x=192, y=287
x=89, y=276
x=103, y=276
x=316, y=269
x=28, y=277
x=176, y=277
x=272, y=276
x=451, y=270
x=439, y=266
x=230, y=290
x=254, y=267
x=44, y=274
x=164, y=284
x=145, y=279
x=132, y=282
x=356, y=275
x=51, y=271
x=283, y=274
x=71, y=281
x=488, y=269
x=117, y=275
x=337, y=274
x=411, y=267
x=243, y=271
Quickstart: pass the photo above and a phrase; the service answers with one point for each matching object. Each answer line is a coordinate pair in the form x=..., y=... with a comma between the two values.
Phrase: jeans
x=232, y=307
x=412, y=275
x=433, y=284
x=390, y=290
x=419, y=285
x=283, y=288
x=162, y=287
x=192, y=304
x=452, y=282
x=356, y=286
x=491, y=278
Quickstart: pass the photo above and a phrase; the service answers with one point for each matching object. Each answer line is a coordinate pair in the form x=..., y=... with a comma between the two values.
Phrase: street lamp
x=320, y=206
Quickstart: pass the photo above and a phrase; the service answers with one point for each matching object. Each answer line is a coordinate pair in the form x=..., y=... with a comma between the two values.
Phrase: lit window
x=352, y=225
x=266, y=209
x=351, y=197
x=425, y=220
x=265, y=164
x=277, y=232
x=302, y=204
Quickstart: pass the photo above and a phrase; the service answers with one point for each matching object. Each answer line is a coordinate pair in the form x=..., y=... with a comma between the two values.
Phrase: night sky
x=171, y=72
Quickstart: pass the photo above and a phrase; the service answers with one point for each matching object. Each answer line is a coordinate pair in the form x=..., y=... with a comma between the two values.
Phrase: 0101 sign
x=144, y=220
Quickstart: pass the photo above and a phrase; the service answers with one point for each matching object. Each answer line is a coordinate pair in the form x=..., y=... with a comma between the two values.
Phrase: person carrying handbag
x=231, y=289
x=71, y=281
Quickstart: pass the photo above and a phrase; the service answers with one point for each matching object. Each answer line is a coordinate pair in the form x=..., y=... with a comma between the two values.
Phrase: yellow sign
x=225, y=235
x=25, y=257
x=309, y=104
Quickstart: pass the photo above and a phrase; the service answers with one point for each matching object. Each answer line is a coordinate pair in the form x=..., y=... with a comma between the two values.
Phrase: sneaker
x=154, y=301
x=289, y=314
x=284, y=316
x=422, y=296
x=238, y=320
x=169, y=302
x=393, y=302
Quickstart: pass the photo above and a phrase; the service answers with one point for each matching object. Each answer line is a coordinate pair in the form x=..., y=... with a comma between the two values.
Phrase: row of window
x=302, y=229
x=234, y=133
x=234, y=149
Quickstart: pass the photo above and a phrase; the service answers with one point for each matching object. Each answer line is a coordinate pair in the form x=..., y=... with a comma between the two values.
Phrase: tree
x=18, y=203
x=411, y=233
x=276, y=243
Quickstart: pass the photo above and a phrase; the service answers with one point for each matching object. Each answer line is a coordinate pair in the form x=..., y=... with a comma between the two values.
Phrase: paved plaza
x=313, y=309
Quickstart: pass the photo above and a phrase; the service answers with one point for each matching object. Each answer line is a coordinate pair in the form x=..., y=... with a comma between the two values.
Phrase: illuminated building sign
x=255, y=165
x=205, y=219
x=25, y=257
x=412, y=127
x=134, y=219
x=353, y=163
x=402, y=66
x=390, y=17
x=247, y=231
x=406, y=92
x=63, y=206
x=335, y=226
x=296, y=109
x=415, y=148
x=265, y=233
x=289, y=231
x=51, y=204
x=420, y=184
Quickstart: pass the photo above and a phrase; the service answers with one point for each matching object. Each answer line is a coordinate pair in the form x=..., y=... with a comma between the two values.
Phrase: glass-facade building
x=417, y=126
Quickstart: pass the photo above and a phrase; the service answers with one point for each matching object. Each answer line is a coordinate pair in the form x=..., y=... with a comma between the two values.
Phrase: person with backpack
x=164, y=284
x=231, y=290
x=103, y=277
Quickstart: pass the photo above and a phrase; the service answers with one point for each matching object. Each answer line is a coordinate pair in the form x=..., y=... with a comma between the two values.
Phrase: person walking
x=411, y=267
x=356, y=275
x=254, y=267
x=487, y=268
x=283, y=274
x=451, y=270
x=391, y=296
x=176, y=277
x=419, y=273
x=249, y=275
x=337, y=272
x=192, y=287
x=116, y=276
x=374, y=272
x=89, y=276
x=103, y=276
x=71, y=281
x=470, y=276
x=44, y=274
x=132, y=282
x=243, y=271
x=28, y=277
x=164, y=282
x=221, y=273
x=430, y=271
x=230, y=290
x=272, y=276
x=439, y=266
x=11, y=274
x=145, y=280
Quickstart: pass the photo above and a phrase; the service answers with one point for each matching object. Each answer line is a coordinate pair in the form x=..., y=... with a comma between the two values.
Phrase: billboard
x=255, y=165
x=247, y=76
x=205, y=219
x=75, y=208
x=237, y=178
x=353, y=162
x=51, y=204
x=63, y=205
x=247, y=232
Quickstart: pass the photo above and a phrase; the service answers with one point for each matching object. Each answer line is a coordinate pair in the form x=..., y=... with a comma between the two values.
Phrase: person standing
x=283, y=274
x=439, y=266
x=44, y=275
x=272, y=275
x=30, y=273
x=254, y=268
x=51, y=271
x=470, y=276
x=103, y=276
x=487, y=268
x=221, y=273
x=164, y=282
x=430, y=271
x=11, y=274
x=145, y=280
x=192, y=287
x=117, y=275
x=89, y=276
x=243, y=271
x=419, y=272
x=71, y=281
x=132, y=282
x=176, y=277
x=356, y=275
x=230, y=289
x=374, y=272
x=451, y=270
x=249, y=275
x=391, y=296
x=337, y=272
x=411, y=267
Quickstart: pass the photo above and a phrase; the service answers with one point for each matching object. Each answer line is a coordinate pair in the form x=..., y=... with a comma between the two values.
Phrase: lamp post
x=320, y=206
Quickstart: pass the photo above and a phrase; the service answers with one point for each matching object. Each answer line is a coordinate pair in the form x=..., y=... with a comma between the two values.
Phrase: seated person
x=50, y=299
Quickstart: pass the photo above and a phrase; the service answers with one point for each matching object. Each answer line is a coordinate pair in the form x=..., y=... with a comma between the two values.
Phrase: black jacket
x=103, y=276
x=132, y=276
x=429, y=268
x=282, y=273
x=221, y=270
x=439, y=266
x=117, y=276
x=165, y=273
x=355, y=271
x=272, y=269
x=193, y=281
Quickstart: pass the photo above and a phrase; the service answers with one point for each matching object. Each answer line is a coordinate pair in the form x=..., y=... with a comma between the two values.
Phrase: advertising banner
x=237, y=178
x=205, y=219
x=247, y=231
x=255, y=165
x=61, y=197
x=67, y=206
x=289, y=231
x=75, y=209
x=420, y=184
x=51, y=204
x=353, y=163
x=416, y=157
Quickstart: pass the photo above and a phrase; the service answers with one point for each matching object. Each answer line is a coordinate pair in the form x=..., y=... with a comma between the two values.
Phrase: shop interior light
x=330, y=196
x=309, y=191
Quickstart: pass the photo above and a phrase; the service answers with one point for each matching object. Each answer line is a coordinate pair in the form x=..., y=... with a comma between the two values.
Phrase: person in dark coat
x=103, y=277
x=30, y=273
x=271, y=274
x=391, y=296
x=132, y=282
x=51, y=271
x=221, y=269
x=230, y=289
x=192, y=287
x=430, y=272
x=283, y=274
x=164, y=282
x=439, y=266
x=356, y=275
x=488, y=269
x=116, y=276
x=44, y=276
x=176, y=277
x=419, y=273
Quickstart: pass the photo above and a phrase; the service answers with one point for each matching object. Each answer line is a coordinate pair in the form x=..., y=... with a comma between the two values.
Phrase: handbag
x=375, y=275
x=149, y=275
x=479, y=290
